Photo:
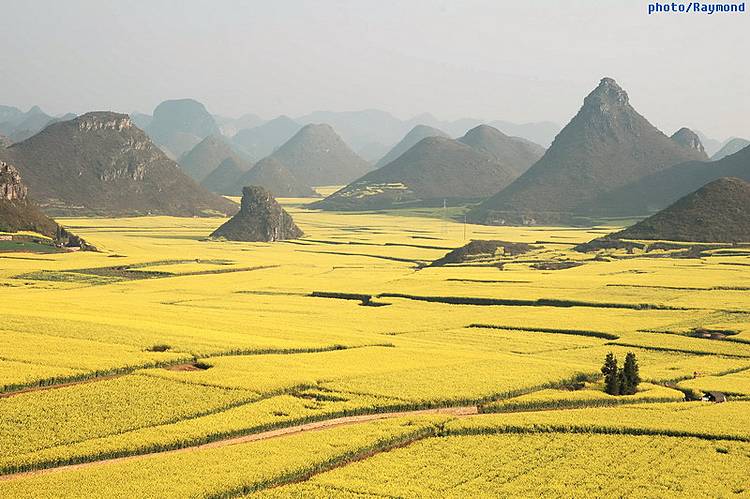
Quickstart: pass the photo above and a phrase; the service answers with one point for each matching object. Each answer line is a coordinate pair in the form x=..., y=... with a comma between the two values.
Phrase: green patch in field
x=27, y=247
x=57, y=276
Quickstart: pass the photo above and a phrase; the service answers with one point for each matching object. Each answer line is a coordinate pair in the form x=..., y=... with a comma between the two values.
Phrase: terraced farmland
x=141, y=363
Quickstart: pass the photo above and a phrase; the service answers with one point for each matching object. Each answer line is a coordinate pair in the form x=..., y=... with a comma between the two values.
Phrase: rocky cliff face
x=19, y=213
x=688, y=138
x=260, y=218
x=11, y=187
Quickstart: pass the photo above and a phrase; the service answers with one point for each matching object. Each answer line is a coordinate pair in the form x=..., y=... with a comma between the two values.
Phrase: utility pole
x=444, y=210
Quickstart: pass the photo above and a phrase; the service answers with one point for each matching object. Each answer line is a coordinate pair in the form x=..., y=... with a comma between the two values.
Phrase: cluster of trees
x=621, y=381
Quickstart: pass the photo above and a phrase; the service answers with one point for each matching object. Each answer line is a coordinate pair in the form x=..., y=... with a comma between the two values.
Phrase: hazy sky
x=523, y=60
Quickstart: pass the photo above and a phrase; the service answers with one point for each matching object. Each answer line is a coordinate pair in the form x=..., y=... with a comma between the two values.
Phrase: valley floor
x=168, y=365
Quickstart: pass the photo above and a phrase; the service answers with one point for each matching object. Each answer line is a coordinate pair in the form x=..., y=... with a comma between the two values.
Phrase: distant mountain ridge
x=261, y=141
x=178, y=125
x=730, y=147
x=275, y=177
x=19, y=126
x=208, y=154
x=316, y=156
x=228, y=178
x=439, y=168
x=102, y=164
x=416, y=134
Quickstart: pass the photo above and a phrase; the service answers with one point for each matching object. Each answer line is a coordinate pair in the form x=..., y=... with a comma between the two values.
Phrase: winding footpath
x=462, y=411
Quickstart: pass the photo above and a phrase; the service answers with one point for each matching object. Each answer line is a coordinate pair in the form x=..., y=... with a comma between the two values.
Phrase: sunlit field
x=142, y=362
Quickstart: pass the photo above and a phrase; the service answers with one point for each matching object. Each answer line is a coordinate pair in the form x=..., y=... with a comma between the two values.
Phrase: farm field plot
x=538, y=466
x=163, y=347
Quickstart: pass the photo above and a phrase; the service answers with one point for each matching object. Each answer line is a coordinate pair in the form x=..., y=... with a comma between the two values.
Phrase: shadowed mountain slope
x=260, y=141
x=656, y=191
x=718, y=212
x=606, y=145
x=416, y=134
x=102, y=164
x=316, y=155
x=207, y=155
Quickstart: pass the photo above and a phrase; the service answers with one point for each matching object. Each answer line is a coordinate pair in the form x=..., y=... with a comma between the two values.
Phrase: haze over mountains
x=208, y=154
x=102, y=164
x=178, y=125
x=438, y=168
x=262, y=140
x=605, y=146
x=276, y=178
x=229, y=179
x=609, y=161
x=316, y=155
x=224, y=179
x=416, y=134
x=730, y=147
x=16, y=125
x=370, y=133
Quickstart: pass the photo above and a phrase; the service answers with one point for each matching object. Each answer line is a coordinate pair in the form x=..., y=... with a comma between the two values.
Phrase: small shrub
x=160, y=347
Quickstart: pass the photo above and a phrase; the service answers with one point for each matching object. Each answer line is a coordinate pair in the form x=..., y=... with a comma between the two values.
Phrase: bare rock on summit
x=688, y=138
x=260, y=219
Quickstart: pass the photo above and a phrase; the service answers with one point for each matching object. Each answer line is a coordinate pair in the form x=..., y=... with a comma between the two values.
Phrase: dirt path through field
x=281, y=432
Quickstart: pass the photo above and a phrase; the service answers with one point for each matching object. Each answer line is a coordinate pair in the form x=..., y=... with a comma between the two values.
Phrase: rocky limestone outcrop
x=18, y=213
x=260, y=219
x=11, y=187
x=688, y=138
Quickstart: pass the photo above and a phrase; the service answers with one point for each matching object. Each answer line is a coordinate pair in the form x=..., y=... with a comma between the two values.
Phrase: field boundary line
x=265, y=435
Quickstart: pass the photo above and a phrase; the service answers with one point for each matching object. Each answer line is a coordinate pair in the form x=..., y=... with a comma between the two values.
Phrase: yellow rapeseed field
x=163, y=340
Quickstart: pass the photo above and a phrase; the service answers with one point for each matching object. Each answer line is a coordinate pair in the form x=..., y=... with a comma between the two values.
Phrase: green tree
x=610, y=372
x=630, y=374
